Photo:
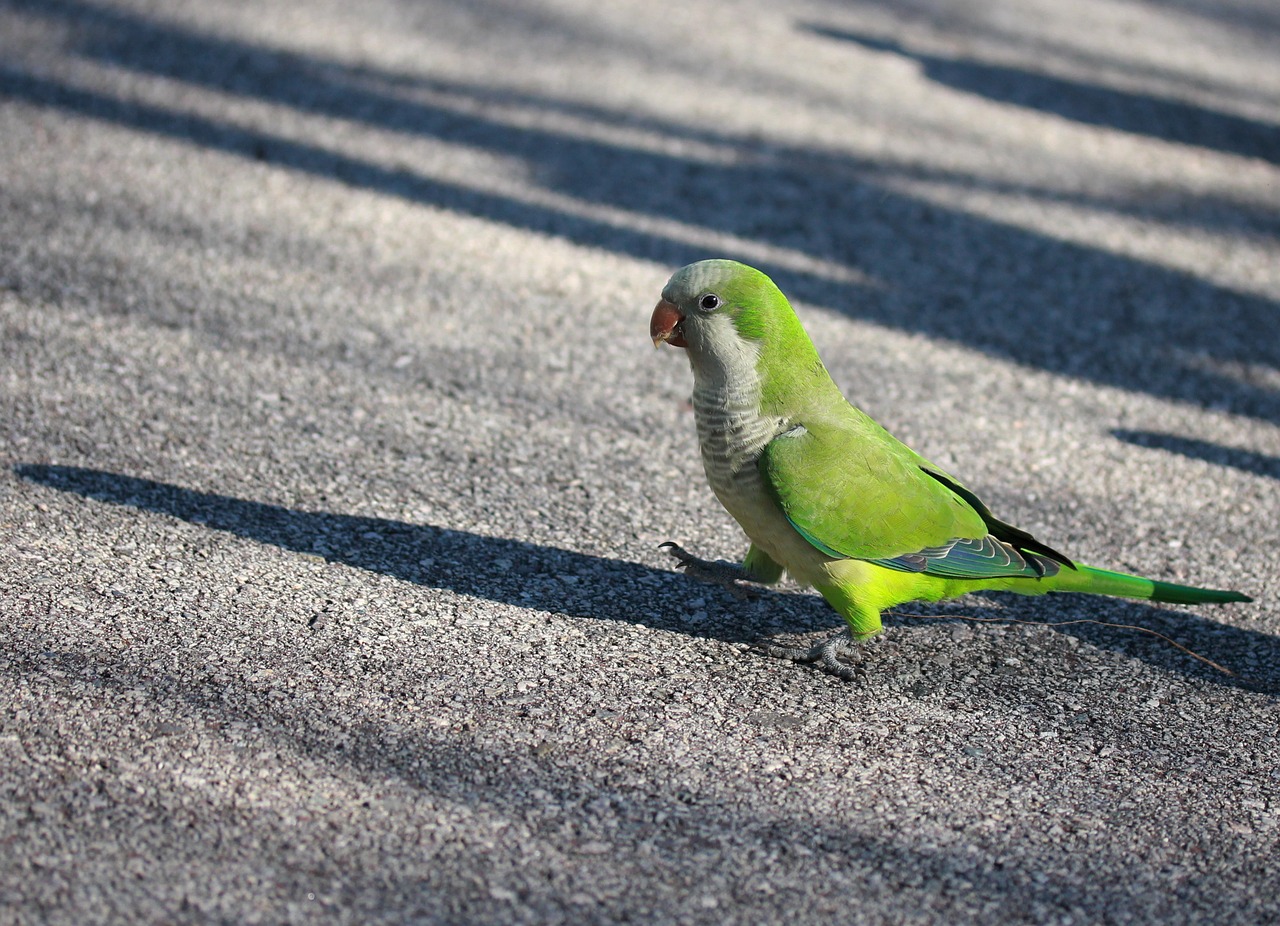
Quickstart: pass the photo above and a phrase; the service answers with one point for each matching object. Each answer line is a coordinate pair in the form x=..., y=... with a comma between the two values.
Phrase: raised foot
x=825, y=655
x=730, y=576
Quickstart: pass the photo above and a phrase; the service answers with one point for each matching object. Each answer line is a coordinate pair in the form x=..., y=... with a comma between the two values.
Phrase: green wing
x=854, y=491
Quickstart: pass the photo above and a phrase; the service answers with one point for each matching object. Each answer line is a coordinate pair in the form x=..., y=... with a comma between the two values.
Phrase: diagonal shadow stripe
x=1090, y=104
x=1251, y=462
x=1014, y=294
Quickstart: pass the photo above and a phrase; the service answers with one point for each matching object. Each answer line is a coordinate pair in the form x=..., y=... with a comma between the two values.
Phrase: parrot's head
x=712, y=305
x=739, y=330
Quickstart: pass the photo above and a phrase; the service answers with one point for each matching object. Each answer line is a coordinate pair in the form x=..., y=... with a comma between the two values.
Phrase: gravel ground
x=334, y=460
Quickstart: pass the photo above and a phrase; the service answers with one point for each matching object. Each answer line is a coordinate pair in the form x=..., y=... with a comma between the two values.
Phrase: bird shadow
x=528, y=575
x=499, y=569
x=1249, y=461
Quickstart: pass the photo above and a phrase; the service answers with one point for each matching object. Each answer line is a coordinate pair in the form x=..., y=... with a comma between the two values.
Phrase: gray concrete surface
x=334, y=459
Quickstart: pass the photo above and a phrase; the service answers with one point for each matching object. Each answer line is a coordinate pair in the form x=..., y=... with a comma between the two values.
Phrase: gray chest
x=731, y=435
x=732, y=439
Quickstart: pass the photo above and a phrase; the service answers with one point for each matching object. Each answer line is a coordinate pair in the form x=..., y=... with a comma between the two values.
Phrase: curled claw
x=728, y=575
x=682, y=556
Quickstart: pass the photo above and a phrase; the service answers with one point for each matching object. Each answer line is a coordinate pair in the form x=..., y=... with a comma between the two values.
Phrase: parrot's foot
x=718, y=572
x=826, y=655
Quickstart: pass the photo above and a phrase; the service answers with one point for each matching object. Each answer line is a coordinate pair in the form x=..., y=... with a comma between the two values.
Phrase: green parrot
x=827, y=494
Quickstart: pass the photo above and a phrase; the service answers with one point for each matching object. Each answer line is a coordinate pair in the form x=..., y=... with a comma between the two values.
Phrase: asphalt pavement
x=334, y=460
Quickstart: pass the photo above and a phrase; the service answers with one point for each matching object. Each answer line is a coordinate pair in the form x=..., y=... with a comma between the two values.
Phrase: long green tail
x=1103, y=582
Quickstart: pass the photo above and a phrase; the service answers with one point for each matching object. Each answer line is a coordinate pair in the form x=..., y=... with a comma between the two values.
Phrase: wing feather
x=854, y=491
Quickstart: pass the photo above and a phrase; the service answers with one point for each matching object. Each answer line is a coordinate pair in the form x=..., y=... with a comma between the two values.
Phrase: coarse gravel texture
x=334, y=460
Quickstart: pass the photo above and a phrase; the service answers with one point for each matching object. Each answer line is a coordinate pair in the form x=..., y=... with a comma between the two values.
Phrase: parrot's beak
x=667, y=324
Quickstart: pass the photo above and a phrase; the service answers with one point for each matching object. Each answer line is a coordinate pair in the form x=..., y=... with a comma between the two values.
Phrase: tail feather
x=1104, y=582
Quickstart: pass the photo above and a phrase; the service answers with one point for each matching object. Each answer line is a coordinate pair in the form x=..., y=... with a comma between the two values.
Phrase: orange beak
x=667, y=324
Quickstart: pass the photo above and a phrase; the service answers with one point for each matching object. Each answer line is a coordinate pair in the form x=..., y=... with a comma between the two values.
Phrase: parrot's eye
x=709, y=303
